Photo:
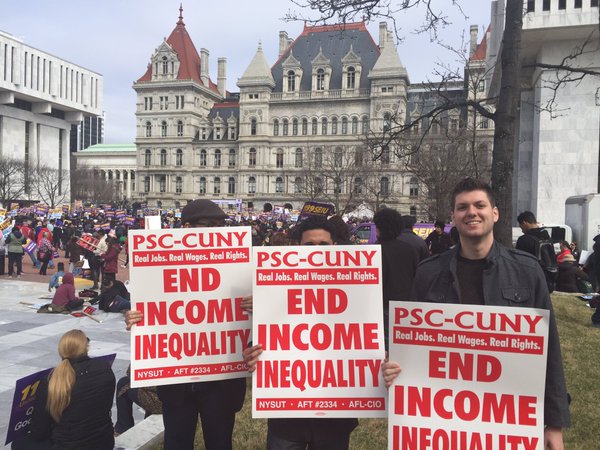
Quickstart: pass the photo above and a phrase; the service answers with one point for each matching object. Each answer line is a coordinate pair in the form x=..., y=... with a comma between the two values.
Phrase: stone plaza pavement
x=29, y=341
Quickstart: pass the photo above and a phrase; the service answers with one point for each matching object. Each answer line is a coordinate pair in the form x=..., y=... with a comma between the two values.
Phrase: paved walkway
x=29, y=341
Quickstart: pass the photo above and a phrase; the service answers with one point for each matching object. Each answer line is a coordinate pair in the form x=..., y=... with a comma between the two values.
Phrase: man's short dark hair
x=526, y=216
x=387, y=221
x=314, y=223
x=469, y=185
x=440, y=224
x=408, y=222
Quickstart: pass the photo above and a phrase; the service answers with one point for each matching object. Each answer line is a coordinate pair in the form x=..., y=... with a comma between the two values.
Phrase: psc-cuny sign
x=189, y=284
x=472, y=377
x=318, y=313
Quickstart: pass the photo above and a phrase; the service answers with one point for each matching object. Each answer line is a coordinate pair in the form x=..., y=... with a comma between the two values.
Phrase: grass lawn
x=582, y=369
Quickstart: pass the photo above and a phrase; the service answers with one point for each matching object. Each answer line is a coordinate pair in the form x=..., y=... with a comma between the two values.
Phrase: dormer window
x=165, y=65
x=351, y=78
x=320, y=80
x=291, y=81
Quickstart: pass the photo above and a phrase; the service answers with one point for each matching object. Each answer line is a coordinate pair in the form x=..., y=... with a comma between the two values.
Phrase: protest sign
x=316, y=209
x=26, y=390
x=472, y=377
x=189, y=284
x=318, y=313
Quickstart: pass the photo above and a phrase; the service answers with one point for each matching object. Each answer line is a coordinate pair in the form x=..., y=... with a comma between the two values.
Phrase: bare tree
x=12, y=181
x=88, y=185
x=51, y=185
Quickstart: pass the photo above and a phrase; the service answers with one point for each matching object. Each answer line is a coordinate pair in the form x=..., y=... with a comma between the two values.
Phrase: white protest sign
x=189, y=284
x=472, y=377
x=318, y=313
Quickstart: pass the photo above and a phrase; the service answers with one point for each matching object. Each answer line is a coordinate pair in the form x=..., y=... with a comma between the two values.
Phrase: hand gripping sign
x=472, y=377
x=189, y=284
x=318, y=314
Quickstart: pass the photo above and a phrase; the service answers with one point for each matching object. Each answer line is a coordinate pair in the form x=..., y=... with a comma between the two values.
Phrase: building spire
x=180, y=22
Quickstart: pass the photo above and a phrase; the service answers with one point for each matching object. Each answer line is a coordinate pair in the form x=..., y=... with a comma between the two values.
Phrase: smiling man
x=481, y=271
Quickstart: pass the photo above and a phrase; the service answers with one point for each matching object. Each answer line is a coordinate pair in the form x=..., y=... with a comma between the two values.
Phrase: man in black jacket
x=530, y=228
x=481, y=271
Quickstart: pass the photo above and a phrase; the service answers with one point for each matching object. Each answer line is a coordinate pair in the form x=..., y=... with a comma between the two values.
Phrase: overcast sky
x=116, y=38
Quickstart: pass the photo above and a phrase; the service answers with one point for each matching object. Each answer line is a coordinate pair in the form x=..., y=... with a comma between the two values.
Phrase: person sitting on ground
x=568, y=275
x=65, y=297
x=73, y=404
x=56, y=279
x=114, y=298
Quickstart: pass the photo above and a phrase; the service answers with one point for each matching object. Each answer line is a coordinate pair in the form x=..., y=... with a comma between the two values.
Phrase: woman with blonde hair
x=72, y=407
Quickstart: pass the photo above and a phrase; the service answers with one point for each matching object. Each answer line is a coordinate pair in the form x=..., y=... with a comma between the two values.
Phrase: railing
x=314, y=95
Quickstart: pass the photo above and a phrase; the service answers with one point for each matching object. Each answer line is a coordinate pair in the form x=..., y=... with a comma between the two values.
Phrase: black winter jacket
x=513, y=278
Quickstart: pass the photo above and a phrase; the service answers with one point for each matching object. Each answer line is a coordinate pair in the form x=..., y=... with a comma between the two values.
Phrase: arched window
x=413, y=187
x=217, y=185
x=337, y=157
x=387, y=122
x=178, y=185
x=147, y=157
x=358, y=185
x=179, y=157
x=251, y=185
x=351, y=78
x=231, y=185
x=315, y=126
x=298, y=160
x=276, y=127
x=146, y=184
x=320, y=80
x=334, y=125
x=279, y=185
x=295, y=127
x=298, y=185
x=291, y=81
x=217, y=158
x=279, y=158
x=354, y=125
x=304, y=127
x=318, y=158
x=165, y=65
x=252, y=157
x=231, y=157
x=179, y=128
x=203, y=158
x=163, y=157
x=365, y=125
x=162, y=183
x=324, y=125
x=384, y=186
x=202, y=187
x=344, y=125
x=148, y=129
x=253, y=127
x=163, y=129
x=285, y=127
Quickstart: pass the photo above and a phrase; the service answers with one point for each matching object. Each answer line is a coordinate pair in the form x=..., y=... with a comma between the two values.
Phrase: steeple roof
x=258, y=71
x=189, y=59
x=388, y=64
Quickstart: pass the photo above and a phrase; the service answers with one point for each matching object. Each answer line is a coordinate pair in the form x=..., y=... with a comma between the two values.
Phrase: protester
x=75, y=252
x=56, y=279
x=72, y=406
x=565, y=249
x=569, y=275
x=65, y=297
x=114, y=298
x=45, y=251
x=438, y=241
x=111, y=260
x=408, y=235
x=14, y=248
x=2, y=253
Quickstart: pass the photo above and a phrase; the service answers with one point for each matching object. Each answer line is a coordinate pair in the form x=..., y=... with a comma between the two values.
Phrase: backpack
x=544, y=252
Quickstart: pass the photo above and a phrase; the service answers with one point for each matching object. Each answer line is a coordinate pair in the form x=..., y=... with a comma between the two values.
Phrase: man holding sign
x=480, y=271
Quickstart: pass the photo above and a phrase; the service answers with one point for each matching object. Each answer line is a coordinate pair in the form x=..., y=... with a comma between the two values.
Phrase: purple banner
x=316, y=209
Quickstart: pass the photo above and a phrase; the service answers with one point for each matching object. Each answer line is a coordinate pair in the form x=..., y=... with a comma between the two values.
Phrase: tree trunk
x=507, y=114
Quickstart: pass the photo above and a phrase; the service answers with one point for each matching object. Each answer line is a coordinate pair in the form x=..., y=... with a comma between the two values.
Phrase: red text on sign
x=191, y=280
x=317, y=301
x=455, y=366
x=180, y=312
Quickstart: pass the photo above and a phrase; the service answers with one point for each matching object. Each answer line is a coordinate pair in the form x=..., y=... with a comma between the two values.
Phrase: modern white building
x=41, y=96
x=558, y=147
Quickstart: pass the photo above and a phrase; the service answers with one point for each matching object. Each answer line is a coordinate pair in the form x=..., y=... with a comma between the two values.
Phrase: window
x=146, y=184
x=531, y=5
x=324, y=125
x=251, y=185
x=484, y=123
x=318, y=185
x=163, y=129
x=413, y=211
x=279, y=159
x=320, y=80
x=351, y=78
x=285, y=127
x=384, y=186
x=298, y=185
x=337, y=186
x=232, y=133
x=218, y=133
x=291, y=81
x=337, y=157
x=358, y=157
x=165, y=65
x=148, y=129
x=162, y=183
x=178, y=185
x=387, y=122
x=217, y=185
x=385, y=155
x=252, y=157
x=481, y=85
x=413, y=187
x=231, y=185
x=202, y=187
x=358, y=185
x=298, y=160
x=387, y=89
x=314, y=126
x=276, y=127
x=546, y=5
x=318, y=158
x=577, y=4
x=163, y=157
x=179, y=128
x=253, y=96
x=334, y=125
x=179, y=102
x=354, y=125
x=231, y=157
x=164, y=102
x=147, y=157
x=148, y=103
x=253, y=127
x=344, y=125
x=203, y=158
x=203, y=134
x=304, y=127
x=295, y=127
x=279, y=185
x=562, y=4
x=179, y=157
x=217, y=158
x=365, y=125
